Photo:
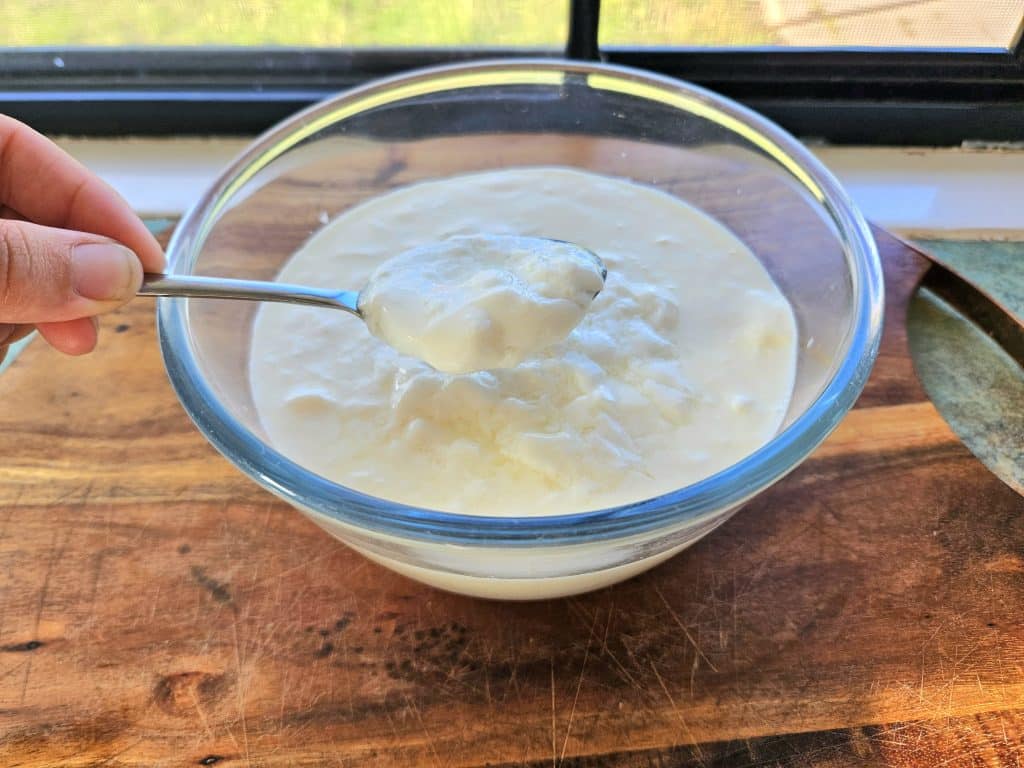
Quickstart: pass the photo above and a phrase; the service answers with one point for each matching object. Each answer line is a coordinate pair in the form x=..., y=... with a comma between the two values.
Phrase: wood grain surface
x=158, y=609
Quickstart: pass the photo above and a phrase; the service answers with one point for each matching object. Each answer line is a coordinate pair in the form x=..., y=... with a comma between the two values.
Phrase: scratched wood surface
x=158, y=609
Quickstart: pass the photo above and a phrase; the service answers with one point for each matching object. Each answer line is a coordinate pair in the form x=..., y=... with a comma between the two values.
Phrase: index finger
x=47, y=186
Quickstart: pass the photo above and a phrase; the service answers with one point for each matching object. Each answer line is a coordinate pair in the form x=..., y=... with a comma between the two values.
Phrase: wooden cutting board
x=157, y=608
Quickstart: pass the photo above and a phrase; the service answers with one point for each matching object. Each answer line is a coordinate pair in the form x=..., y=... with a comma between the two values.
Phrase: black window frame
x=887, y=96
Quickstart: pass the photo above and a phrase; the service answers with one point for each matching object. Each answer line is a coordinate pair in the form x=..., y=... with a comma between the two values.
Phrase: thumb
x=52, y=275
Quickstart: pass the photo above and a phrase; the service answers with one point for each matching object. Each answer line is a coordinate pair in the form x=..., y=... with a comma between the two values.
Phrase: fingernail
x=105, y=271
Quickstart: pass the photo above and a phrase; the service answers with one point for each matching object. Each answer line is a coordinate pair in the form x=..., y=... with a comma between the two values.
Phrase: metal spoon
x=198, y=287
x=427, y=302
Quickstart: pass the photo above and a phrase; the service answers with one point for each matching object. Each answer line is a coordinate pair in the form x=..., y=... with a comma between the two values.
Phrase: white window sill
x=952, y=192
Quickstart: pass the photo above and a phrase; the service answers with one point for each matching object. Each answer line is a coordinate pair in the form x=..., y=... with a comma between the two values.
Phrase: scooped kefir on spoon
x=681, y=366
x=481, y=302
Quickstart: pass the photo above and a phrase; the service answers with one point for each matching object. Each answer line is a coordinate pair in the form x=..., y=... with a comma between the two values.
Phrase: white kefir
x=682, y=365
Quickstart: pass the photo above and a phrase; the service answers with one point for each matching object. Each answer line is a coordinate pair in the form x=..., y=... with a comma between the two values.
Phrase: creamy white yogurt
x=478, y=302
x=683, y=364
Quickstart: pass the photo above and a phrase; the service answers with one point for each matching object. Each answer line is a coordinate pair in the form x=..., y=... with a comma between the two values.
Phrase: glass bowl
x=714, y=154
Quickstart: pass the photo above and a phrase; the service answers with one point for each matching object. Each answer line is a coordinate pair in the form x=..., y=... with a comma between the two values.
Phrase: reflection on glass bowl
x=14, y=350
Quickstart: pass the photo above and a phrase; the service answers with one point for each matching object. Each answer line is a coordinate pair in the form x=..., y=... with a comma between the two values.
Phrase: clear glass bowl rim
x=691, y=504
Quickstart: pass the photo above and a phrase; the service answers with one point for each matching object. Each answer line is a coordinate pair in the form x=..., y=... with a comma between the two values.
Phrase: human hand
x=70, y=247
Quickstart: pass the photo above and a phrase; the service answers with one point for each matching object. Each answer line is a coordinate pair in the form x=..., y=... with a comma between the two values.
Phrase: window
x=814, y=23
x=510, y=23
x=313, y=23
x=935, y=72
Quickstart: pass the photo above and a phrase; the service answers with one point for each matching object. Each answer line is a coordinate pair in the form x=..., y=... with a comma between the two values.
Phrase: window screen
x=313, y=23
x=815, y=23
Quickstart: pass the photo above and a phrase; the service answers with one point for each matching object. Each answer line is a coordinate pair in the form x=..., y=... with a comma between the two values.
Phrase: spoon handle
x=196, y=287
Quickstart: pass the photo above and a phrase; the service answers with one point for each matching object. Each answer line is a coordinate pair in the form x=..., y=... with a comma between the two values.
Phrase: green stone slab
x=996, y=267
x=976, y=386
